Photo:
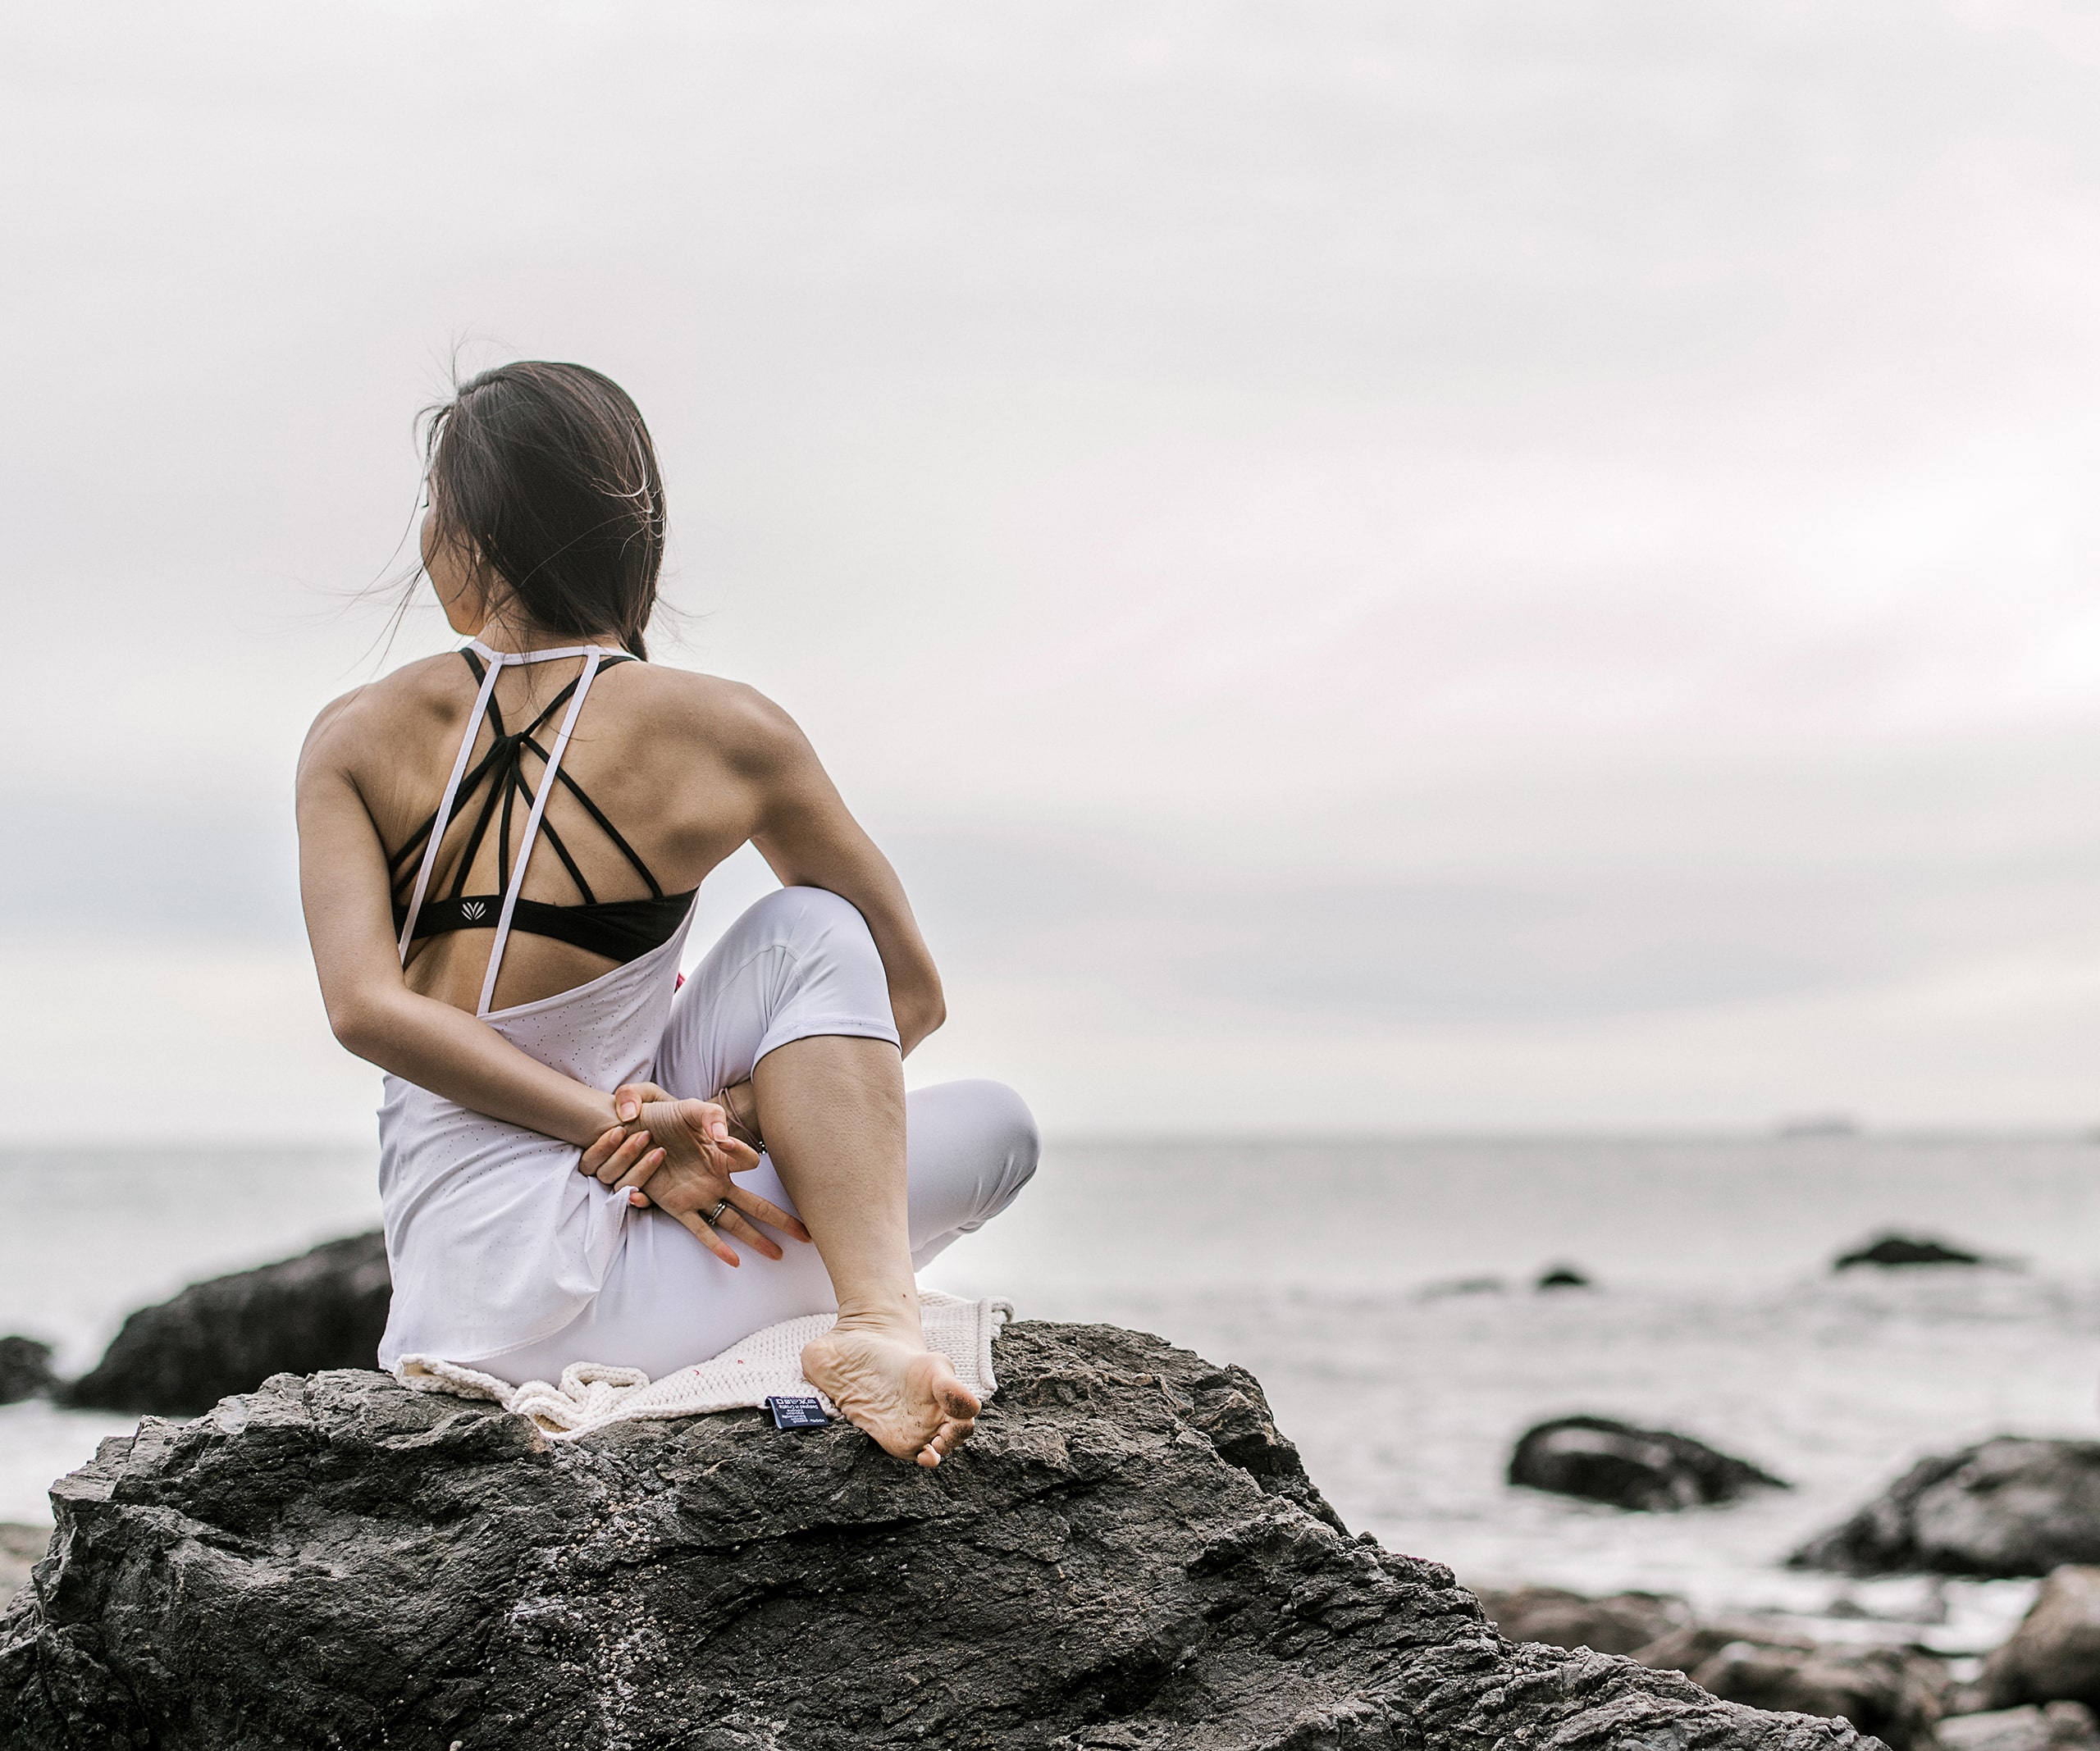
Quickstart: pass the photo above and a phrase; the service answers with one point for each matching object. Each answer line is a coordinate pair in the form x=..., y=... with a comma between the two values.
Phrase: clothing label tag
x=797, y=1413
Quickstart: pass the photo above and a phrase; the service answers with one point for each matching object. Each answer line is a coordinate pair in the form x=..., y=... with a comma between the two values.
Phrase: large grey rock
x=1128, y=1555
x=2055, y=1654
x=2010, y=1506
x=324, y=1309
x=1652, y=1469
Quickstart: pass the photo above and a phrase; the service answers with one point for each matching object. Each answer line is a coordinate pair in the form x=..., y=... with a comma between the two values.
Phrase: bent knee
x=814, y=920
x=1005, y=1133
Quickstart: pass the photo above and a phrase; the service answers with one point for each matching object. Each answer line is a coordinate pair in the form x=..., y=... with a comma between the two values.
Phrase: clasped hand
x=682, y=1152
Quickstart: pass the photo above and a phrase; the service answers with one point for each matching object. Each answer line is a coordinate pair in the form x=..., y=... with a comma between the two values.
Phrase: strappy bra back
x=621, y=930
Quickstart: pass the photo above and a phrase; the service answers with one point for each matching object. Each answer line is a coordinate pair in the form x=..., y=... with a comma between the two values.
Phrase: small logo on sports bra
x=473, y=909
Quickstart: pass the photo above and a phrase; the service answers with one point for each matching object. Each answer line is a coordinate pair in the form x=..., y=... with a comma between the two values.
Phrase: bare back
x=662, y=755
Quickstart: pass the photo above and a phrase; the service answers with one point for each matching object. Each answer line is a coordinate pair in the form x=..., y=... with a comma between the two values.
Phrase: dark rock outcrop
x=2054, y=1656
x=1562, y=1277
x=1617, y=1623
x=2010, y=1506
x=25, y=1369
x=1128, y=1555
x=1900, y=1249
x=324, y=1309
x=1652, y=1469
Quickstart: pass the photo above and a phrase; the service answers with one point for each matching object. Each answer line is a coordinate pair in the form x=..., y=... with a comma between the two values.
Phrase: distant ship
x=1817, y=1124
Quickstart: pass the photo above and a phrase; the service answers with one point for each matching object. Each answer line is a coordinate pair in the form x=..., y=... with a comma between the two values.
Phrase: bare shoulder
x=737, y=720
x=354, y=722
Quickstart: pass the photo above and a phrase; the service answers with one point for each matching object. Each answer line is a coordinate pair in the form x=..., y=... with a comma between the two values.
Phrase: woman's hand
x=682, y=1150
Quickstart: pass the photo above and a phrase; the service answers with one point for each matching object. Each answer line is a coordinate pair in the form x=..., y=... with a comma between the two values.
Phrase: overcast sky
x=1485, y=568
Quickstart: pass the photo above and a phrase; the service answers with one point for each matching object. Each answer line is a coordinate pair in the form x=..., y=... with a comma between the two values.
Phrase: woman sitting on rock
x=499, y=852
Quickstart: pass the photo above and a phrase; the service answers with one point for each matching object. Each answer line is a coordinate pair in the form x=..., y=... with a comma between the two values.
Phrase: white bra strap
x=592, y=656
x=444, y=816
x=513, y=657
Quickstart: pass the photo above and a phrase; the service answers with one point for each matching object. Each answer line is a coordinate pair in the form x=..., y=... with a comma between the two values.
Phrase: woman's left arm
x=805, y=831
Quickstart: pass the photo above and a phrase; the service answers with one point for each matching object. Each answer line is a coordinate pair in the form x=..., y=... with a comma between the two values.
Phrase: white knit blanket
x=766, y=1365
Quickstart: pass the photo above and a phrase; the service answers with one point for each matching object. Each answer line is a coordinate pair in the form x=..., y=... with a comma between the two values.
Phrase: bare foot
x=904, y=1395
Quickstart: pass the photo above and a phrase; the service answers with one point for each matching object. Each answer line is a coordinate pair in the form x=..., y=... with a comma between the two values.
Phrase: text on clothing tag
x=797, y=1413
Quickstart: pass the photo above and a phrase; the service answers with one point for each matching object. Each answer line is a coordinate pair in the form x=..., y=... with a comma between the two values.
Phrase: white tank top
x=495, y=1240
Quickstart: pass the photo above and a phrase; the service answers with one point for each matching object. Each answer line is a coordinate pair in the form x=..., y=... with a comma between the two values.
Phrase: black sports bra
x=621, y=930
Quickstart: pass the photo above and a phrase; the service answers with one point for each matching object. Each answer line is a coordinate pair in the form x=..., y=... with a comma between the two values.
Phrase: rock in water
x=1649, y=1469
x=25, y=1369
x=1128, y=1555
x=1562, y=1277
x=1892, y=1693
x=2061, y=1726
x=1619, y=1623
x=324, y=1309
x=2011, y=1506
x=2054, y=1656
x=1900, y=1249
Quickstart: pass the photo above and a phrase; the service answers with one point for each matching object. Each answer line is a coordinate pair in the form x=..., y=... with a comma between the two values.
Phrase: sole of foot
x=903, y=1394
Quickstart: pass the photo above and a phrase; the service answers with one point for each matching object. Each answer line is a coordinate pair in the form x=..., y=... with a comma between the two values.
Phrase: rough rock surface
x=2060, y=1727
x=1128, y=1555
x=324, y=1309
x=2010, y=1506
x=1649, y=1469
x=2055, y=1654
x=1900, y=1249
x=1617, y=1623
x=25, y=1369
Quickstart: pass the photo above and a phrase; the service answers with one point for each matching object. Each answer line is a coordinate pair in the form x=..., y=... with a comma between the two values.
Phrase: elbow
x=358, y=1025
x=924, y=1017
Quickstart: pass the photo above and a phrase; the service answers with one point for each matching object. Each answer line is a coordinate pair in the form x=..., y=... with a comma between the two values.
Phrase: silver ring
x=712, y=1219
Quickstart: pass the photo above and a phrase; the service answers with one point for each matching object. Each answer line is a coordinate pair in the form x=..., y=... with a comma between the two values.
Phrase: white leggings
x=798, y=964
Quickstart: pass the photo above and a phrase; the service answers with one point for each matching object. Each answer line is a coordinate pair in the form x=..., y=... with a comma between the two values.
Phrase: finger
x=629, y=1098
x=632, y=1146
x=643, y=1169
x=601, y=1151
x=631, y=1149
x=734, y=1221
x=708, y=1238
x=737, y=1157
x=759, y=1209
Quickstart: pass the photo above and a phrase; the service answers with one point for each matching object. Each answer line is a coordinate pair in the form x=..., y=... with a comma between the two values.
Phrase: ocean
x=1381, y=1289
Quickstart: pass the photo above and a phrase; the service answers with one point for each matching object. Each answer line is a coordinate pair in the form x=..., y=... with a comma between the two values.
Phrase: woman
x=500, y=849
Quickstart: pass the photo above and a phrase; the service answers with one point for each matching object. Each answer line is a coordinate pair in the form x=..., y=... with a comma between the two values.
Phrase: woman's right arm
x=350, y=920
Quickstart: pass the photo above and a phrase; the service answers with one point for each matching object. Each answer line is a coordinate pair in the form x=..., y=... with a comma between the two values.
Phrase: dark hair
x=546, y=474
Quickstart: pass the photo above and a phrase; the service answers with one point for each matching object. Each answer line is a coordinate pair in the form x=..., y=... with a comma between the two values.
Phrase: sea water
x=1381, y=1290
